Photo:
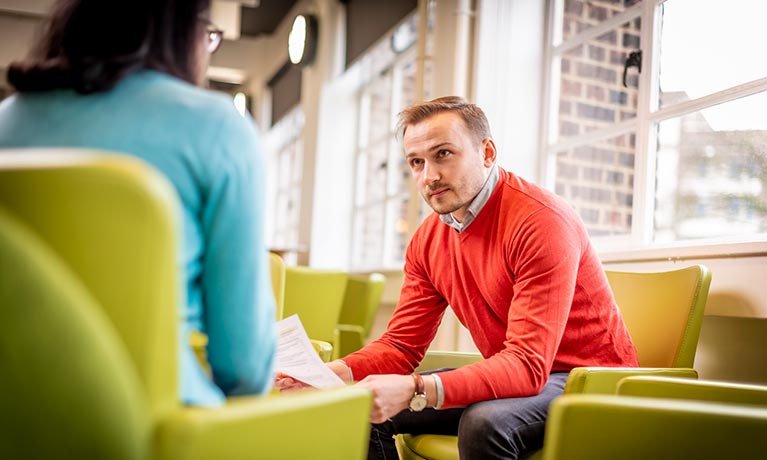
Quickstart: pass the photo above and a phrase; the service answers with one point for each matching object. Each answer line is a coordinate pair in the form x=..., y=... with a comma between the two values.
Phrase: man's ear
x=488, y=151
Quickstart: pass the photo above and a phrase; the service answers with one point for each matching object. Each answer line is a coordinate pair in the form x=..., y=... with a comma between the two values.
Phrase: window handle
x=634, y=60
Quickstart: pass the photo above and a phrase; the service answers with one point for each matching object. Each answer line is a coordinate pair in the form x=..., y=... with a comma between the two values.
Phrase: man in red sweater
x=515, y=264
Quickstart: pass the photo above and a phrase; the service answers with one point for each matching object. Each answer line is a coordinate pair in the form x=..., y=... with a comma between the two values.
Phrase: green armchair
x=89, y=346
x=663, y=312
x=277, y=272
x=360, y=305
x=316, y=296
x=658, y=417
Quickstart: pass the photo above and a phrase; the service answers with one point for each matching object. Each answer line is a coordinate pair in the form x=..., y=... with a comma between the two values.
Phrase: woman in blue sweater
x=126, y=76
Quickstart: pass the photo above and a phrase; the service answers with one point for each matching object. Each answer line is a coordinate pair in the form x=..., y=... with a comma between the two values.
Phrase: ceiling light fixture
x=302, y=40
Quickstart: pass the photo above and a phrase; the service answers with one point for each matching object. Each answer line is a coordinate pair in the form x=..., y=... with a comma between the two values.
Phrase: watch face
x=418, y=403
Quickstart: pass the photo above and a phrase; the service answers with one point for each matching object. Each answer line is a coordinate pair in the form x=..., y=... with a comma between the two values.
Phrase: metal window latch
x=634, y=60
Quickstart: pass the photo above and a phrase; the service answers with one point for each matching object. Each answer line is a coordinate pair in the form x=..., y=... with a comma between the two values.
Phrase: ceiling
x=257, y=17
x=264, y=17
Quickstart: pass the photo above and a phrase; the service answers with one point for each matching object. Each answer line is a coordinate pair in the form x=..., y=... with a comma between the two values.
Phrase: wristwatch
x=418, y=401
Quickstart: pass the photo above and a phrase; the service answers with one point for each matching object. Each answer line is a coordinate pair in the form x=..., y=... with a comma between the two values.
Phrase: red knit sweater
x=525, y=281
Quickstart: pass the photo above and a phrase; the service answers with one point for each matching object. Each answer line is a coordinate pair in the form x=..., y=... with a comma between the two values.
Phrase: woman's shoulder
x=191, y=108
x=162, y=89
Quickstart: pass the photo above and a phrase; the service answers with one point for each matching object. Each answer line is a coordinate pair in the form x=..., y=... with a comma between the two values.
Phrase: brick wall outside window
x=597, y=179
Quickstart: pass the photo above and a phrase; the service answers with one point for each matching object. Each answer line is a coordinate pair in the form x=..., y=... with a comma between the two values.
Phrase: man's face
x=449, y=166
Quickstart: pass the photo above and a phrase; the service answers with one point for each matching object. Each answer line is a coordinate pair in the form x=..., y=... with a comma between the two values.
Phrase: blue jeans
x=497, y=429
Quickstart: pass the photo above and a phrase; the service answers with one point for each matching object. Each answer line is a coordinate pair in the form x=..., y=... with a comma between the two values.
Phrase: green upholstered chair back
x=67, y=387
x=699, y=390
x=361, y=300
x=316, y=296
x=663, y=312
x=607, y=427
x=277, y=272
x=113, y=220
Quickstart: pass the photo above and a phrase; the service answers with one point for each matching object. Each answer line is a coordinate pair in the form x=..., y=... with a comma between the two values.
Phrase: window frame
x=284, y=138
x=395, y=69
x=638, y=243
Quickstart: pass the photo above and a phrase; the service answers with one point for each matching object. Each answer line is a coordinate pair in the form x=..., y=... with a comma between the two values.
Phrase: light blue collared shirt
x=476, y=205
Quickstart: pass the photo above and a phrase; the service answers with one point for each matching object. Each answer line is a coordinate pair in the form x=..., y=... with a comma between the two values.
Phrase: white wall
x=508, y=76
x=26, y=7
x=17, y=33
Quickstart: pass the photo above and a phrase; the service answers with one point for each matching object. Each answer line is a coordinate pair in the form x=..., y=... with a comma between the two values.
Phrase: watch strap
x=419, y=385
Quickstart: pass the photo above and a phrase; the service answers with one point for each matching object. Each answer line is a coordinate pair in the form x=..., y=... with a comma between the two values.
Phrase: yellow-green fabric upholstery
x=277, y=272
x=606, y=427
x=67, y=390
x=699, y=390
x=319, y=424
x=112, y=220
x=447, y=359
x=358, y=311
x=660, y=417
x=663, y=312
x=316, y=296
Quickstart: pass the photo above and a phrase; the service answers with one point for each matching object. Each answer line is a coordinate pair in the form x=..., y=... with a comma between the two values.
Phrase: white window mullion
x=601, y=28
x=694, y=105
x=613, y=130
x=550, y=87
x=644, y=156
x=387, y=235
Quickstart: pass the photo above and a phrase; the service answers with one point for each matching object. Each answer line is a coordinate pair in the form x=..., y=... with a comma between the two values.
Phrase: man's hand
x=391, y=394
x=284, y=382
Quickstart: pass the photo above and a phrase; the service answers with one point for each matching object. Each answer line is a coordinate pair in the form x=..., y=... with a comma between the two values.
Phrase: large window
x=676, y=153
x=284, y=144
x=382, y=193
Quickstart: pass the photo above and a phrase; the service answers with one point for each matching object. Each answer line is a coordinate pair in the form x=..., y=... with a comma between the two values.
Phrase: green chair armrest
x=597, y=427
x=700, y=390
x=350, y=338
x=267, y=427
x=604, y=380
x=427, y=446
x=324, y=349
x=439, y=359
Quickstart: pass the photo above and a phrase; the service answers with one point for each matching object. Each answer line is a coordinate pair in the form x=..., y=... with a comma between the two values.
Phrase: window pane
x=592, y=94
x=368, y=242
x=708, y=45
x=409, y=84
x=399, y=171
x=375, y=176
x=579, y=15
x=380, y=109
x=371, y=175
x=712, y=172
x=598, y=181
x=398, y=230
x=297, y=161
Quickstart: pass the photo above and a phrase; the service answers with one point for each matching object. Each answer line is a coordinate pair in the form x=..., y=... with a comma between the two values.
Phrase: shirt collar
x=476, y=205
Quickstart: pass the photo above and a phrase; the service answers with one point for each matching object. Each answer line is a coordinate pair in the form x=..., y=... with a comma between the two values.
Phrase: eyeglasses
x=214, y=33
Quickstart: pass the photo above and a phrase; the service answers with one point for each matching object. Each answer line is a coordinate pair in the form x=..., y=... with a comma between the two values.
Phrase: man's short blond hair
x=473, y=117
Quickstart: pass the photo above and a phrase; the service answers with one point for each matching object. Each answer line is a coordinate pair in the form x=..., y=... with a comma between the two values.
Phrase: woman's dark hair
x=90, y=45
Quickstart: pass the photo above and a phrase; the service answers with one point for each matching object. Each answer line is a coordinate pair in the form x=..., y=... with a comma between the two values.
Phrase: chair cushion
x=67, y=389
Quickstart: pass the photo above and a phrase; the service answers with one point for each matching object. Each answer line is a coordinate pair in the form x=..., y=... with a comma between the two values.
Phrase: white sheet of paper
x=297, y=358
